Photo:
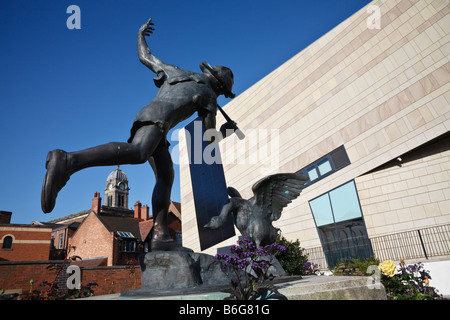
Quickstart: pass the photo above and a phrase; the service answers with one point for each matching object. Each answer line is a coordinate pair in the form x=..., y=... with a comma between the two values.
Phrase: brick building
x=21, y=242
x=110, y=237
x=111, y=234
x=113, y=237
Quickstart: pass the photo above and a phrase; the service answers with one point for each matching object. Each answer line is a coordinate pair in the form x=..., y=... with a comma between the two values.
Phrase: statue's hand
x=146, y=29
x=228, y=128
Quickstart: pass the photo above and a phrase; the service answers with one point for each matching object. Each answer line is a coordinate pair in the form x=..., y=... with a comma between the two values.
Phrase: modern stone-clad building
x=364, y=112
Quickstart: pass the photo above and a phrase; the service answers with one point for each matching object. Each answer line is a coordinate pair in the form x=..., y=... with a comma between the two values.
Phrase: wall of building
x=112, y=279
x=29, y=243
x=379, y=92
x=93, y=240
x=17, y=276
x=413, y=193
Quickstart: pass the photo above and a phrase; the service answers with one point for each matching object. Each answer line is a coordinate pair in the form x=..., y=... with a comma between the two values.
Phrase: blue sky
x=74, y=89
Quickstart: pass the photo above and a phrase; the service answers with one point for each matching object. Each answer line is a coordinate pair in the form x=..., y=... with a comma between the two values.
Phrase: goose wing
x=276, y=191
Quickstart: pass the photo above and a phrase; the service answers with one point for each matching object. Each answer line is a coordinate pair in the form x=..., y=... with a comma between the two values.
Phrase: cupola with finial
x=116, y=192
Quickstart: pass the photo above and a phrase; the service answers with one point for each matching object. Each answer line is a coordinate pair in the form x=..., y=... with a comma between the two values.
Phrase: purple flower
x=242, y=264
x=246, y=253
x=220, y=256
x=261, y=251
x=89, y=285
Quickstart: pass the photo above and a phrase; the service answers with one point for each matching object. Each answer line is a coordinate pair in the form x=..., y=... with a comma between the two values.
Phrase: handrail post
x=423, y=246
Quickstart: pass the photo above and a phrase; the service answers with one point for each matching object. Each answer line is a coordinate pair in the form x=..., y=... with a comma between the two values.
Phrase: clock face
x=110, y=186
x=121, y=186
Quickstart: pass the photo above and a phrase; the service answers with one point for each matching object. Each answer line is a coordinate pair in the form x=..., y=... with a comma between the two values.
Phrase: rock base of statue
x=176, y=270
x=181, y=272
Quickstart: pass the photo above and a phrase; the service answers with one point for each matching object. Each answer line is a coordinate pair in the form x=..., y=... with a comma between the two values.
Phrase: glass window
x=61, y=241
x=324, y=167
x=340, y=224
x=345, y=202
x=312, y=173
x=125, y=234
x=128, y=246
x=347, y=239
x=7, y=242
x=321, y=210
x=331, y=162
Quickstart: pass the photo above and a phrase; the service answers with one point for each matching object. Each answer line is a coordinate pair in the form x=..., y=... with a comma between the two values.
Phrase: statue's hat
x=223, y=75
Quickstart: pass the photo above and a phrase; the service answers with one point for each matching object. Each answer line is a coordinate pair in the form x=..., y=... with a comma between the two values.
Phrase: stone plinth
x=306, y=288
x=165, y=271
x=332, y=288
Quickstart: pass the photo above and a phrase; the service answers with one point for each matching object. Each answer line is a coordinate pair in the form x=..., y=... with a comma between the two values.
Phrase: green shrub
x=293, y=259
x=354, y=267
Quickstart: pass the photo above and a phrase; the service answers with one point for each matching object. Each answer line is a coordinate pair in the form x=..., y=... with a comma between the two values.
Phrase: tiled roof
x=145, y=227
x=72, y=216
x=175, y=208
x=118, y=223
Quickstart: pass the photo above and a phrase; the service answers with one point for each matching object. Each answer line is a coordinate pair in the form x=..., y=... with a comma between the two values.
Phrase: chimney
x=96, y=203
x=137, y=210
x=141, y=212
x=5, y=217
x=145, y=211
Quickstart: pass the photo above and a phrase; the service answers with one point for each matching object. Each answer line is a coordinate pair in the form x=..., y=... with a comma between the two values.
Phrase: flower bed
x=402, y=282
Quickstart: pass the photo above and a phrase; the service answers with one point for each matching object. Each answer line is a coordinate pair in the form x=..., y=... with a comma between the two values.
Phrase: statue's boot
x=55, y=179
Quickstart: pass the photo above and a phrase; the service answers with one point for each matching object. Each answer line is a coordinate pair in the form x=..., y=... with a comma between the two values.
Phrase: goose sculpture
x=254, y=217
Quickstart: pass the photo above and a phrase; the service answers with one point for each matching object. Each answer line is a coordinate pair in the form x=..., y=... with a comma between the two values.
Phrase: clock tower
x=116, y=192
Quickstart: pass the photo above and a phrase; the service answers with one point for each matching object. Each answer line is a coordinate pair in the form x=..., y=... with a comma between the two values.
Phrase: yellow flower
x=388, y=268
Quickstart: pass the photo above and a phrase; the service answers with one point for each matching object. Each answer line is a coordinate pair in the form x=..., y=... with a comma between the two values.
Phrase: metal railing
x=415, y=244
x=317, y=256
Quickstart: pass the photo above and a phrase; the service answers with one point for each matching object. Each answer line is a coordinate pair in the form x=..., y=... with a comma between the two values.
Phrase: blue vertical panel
x=208, y=185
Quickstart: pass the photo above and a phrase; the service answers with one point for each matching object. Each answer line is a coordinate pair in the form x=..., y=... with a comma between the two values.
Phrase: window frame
x=61, y=241
x=128, y=245
x=7, y=237
x=326, y=158
x=335, y=227
x=328, y=193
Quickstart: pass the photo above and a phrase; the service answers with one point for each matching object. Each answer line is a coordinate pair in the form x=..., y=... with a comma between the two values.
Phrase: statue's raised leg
x=61, y=165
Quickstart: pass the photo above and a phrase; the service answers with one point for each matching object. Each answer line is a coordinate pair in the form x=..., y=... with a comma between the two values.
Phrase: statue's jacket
x=181, y=94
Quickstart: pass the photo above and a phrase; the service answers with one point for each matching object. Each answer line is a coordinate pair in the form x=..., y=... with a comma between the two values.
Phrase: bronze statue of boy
x=181, y=94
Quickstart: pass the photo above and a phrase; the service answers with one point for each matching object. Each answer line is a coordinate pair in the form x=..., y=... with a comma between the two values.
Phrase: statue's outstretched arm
x=145, y=56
